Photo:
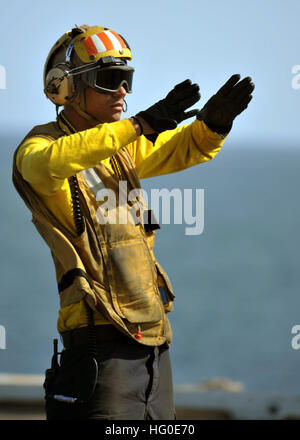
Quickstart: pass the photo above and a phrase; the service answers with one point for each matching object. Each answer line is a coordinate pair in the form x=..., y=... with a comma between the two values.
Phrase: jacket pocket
x=133, y=285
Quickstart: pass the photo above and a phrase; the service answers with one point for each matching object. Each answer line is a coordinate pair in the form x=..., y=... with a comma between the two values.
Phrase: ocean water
x=236, y=284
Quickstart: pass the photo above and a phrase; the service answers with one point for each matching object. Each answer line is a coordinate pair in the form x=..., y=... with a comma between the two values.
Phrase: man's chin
x=112, y=117
x=116, y=116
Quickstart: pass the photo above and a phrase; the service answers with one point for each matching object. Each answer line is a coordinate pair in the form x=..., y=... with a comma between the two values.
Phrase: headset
x=59, y=83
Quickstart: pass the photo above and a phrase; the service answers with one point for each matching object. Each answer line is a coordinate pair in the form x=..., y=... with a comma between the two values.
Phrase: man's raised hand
x=223, y=107
x=167, y=113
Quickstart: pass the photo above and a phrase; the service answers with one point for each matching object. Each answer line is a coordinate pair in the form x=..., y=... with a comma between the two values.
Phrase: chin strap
x=79, y=104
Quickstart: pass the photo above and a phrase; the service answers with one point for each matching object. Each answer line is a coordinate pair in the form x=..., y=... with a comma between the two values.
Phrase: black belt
x=79, y=336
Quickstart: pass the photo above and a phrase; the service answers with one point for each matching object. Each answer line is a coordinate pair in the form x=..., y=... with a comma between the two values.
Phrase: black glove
x=167, y=113
x=221, y=109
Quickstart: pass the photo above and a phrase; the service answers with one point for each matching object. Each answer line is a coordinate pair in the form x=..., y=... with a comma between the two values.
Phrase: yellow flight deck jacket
x=111, y=266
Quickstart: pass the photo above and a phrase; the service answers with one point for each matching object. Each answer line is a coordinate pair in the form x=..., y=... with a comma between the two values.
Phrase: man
x=114, y=295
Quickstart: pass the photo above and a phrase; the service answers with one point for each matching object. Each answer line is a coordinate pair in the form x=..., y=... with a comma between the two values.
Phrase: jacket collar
x=65, y=124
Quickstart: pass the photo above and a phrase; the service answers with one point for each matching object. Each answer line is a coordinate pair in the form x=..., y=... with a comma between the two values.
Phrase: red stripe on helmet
x=90, y=46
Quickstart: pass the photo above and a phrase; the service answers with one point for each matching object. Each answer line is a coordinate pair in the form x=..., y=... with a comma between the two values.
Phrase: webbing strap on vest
x=66, y=281
x=68, y=278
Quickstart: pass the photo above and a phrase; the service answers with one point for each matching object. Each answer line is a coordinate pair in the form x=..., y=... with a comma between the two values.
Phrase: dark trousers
x=134, y=383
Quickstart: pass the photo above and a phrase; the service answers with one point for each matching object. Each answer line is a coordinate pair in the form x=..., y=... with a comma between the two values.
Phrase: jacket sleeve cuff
x=222, y=131
x=209, y=142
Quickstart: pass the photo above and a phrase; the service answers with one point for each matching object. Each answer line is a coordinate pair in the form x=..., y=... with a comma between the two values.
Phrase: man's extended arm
x=175, y=150
x=47, y=164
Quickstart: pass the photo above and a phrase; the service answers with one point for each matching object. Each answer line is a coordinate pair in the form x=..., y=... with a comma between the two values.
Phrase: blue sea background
x=236, y=284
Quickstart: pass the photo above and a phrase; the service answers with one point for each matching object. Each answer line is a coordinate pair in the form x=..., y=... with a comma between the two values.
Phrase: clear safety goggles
x=109, y=79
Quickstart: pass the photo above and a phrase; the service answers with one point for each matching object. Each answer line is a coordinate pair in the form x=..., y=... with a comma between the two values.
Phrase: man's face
x=105, y=107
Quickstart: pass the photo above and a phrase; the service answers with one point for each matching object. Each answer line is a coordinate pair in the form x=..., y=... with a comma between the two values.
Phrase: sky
x=171, y=40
